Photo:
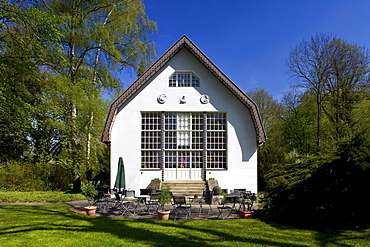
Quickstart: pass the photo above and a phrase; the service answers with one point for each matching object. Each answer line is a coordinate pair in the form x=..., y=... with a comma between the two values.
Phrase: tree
x=349, y=76
x=272, y=114
x=99, y=39
x=270, y=110
x=335, y=72
x=308, y=64
x=298, y=127
x=28, y=42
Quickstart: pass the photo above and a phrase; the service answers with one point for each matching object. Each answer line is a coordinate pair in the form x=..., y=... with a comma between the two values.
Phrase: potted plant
x=89, y=191
x=163, y=198
x=246, y=212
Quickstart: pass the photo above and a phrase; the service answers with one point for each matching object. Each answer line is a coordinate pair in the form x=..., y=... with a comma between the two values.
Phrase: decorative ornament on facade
x=183, y=99
x=162, y=99
x=204, y=99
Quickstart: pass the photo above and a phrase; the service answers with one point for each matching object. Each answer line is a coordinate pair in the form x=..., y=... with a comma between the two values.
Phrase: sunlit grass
x=55, y=225
x=39, y=196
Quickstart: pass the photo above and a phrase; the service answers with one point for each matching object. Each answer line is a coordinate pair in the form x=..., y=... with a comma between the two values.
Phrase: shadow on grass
x=324, y=237
x=18, y=220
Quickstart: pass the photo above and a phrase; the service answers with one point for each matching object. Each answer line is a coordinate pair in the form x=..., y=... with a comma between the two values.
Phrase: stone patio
x=78, y=207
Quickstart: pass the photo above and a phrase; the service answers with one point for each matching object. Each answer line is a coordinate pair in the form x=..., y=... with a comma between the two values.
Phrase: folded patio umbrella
x=120, y=184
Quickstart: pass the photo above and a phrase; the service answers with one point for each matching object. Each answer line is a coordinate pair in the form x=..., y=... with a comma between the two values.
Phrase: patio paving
x=78, y=207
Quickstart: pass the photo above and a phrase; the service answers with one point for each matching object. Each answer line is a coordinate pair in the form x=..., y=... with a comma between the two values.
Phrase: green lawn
x=39, y=196
x=55, y=225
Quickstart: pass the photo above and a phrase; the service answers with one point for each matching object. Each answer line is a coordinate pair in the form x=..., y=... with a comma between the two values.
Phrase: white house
x=184, y=119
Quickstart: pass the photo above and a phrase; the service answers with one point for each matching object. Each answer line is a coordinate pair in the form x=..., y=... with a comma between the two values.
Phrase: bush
x=332, y=196
x=27, y=176
x=17, y=176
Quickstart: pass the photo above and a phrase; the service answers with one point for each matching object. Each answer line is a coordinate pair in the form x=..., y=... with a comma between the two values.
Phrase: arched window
x=183, y=79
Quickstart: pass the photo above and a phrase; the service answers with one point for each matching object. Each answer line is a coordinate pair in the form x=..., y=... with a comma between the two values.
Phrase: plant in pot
x=89, y=191
x=246, y=212
x=163, y=198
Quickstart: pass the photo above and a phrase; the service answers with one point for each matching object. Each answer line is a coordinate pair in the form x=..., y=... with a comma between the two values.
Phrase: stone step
x=186, y=188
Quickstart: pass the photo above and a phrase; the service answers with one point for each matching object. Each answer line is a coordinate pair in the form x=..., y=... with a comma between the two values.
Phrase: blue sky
x=251, y=40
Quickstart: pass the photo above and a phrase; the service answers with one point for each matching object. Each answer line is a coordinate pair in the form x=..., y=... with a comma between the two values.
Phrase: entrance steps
x=186, y=187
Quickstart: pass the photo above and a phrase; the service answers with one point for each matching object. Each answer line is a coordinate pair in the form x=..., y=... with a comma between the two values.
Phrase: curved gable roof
x=184, y=42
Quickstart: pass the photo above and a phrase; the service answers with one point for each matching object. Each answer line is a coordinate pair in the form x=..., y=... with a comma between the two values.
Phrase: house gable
x=184, y=42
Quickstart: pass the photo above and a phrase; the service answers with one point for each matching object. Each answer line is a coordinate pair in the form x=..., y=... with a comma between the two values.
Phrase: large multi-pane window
x=187, y=143
x=150, y=139
x=183, y=79
x=216, y=140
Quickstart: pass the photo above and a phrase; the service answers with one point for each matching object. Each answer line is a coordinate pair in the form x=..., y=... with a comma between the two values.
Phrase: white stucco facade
x=125, y=131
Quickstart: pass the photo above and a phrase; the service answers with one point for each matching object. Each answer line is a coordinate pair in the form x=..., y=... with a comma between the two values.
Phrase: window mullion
x=162, y=143
x=204, y=133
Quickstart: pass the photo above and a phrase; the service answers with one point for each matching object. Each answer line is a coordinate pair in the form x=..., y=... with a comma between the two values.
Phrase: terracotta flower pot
x=163, y=214
x=245, y=214
x=91, y=210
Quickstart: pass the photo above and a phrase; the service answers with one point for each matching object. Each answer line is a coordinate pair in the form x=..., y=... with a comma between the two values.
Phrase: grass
x=39, y=196
x=55, y=225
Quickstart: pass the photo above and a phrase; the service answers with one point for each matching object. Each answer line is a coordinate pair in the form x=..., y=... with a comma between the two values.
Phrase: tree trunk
x=88, y=147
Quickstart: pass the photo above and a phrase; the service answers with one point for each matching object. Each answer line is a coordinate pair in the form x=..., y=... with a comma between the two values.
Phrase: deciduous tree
x=28, y=42
x=308, y=64
x=100, y=38
x=335, y=72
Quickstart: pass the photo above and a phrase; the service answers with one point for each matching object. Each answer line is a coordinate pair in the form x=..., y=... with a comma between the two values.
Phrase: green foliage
x=88, y=189
x=335, y=73
x=164, y=197
x=28, y=43
x=270, y=110
x=269, y=155
x=39, y=196
x=31, y=176
x=330, y=193
x=15, y=176
x=58, y=60
x=98, y=39
x=299, y=127
x=285, y=176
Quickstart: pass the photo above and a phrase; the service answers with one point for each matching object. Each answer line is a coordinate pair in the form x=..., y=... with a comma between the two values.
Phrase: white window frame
x=214, y=148
x=174, y=80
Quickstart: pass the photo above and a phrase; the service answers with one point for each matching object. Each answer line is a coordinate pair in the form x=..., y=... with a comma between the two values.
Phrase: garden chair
x=227, y=208
x=181, y=208
x=152, y=204
x=123, y=205
x=100, y=201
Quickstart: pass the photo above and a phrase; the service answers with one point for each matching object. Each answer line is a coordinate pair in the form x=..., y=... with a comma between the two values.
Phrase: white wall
x=126, y=129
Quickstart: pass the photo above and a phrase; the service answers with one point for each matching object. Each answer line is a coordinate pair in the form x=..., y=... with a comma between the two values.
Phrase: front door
x=183, y=165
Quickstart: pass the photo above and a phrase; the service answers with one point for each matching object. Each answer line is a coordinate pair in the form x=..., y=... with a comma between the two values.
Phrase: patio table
x=141, y=203
x=200, y=201
x=247, y=200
